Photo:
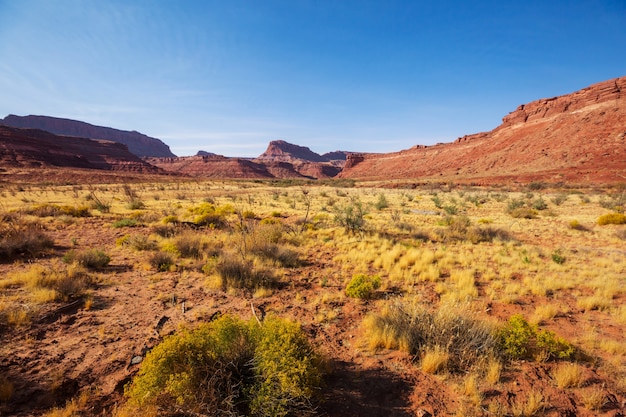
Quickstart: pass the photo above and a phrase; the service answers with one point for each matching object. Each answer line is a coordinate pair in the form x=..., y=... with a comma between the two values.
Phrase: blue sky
x=229, y=76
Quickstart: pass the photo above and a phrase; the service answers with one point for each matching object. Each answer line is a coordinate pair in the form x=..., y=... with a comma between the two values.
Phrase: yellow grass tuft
x=568, y=375
x=434, y=360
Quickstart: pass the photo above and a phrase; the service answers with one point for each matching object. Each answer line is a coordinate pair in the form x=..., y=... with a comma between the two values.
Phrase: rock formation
x=137, y=143
x=579, y=137
x=31, y=148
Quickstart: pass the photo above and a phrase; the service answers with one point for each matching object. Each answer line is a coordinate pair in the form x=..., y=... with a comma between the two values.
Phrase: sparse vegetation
x=230, y=367
x=362, y=286
x=431, y=272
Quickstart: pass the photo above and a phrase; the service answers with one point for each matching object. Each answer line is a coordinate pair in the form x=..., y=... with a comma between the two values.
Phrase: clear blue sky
x=228, y=76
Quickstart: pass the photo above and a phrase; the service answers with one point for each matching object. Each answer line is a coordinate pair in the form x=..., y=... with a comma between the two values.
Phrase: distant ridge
x=33, y=148
x=279, y=150
x=137, y=143
x=578, y=138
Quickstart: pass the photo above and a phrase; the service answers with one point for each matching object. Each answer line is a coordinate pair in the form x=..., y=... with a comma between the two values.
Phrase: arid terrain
x=559, y=268
x=482, y=277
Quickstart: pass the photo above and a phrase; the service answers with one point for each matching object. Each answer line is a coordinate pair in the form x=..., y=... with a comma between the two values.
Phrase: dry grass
x=467, y=260
x=434, y=360
x=568, y=375
x=529, y=406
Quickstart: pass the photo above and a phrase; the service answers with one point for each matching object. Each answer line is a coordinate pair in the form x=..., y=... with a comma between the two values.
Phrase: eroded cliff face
x=579, y=137
x=32, y=148
x=137, y=143
x=601, y=93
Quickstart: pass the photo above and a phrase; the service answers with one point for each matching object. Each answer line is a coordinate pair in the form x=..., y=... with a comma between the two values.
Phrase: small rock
x=423, y=413
x=136, y=360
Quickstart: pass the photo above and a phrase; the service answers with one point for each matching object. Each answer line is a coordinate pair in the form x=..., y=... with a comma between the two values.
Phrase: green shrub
x=522, y=340
x=515, y=204
x=559, y=199
x=612, y=218
x=540, y=204
x=381, y=203
x=230, y=367
x=125, y=223
x=351, y=217
x=558, y=257
x=451, y=210
x=362, y=286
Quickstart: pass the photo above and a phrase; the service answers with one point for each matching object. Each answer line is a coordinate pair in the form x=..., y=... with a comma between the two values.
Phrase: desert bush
x=461, y=229
x=208, y=215
x=558, y=257
x=53, y=210
x=230, y=367
x=540, y=204
x=351, y=217
x=381, y=203
x=161, y=261
x=91, y=258
x=125, y=222
x=522, y=340
x=612, y=218
x=362, y=286
x=559, y=199
x=523, y=213
x=236, y=272
x=166, y=230
x=137, y=242
x=263, y=241
x=576, y=225
x=19, y=237
x=451, y=329
x=515, y=204
x=189, y=245
x=63, y=282
x=132, y=198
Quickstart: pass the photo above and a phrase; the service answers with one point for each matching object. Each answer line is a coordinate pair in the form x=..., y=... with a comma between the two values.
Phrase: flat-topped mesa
x=544, y=108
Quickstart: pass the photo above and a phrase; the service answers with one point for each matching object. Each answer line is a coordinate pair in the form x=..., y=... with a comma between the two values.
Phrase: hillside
x=579, y=137
x=31, y=148
x=137, y=143
x=280, y=160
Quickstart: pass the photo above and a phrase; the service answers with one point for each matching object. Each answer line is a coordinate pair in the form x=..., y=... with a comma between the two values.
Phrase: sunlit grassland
x=433, y=246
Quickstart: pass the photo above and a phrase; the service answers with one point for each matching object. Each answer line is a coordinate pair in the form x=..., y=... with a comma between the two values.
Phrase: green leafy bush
x=522, y=340
x=612, y=218
x=230, y=367
x=362, y=286
x=558, y=257
x=125, y=223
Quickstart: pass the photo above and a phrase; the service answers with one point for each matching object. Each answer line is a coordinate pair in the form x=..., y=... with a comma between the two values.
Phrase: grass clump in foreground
x=449, y=338
x=229, y=367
